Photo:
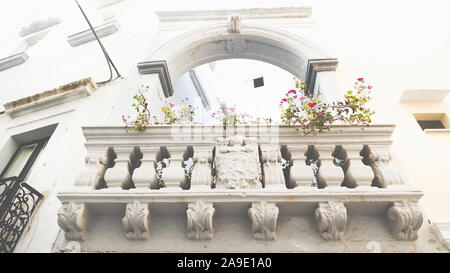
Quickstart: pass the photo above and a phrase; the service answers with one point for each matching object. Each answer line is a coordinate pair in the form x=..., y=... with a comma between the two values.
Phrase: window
x=432, y=121
x=258, y=82
x=23, y=159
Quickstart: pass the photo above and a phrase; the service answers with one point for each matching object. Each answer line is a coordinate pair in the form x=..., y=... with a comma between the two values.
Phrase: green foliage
x=314, y=116
x=229, y=116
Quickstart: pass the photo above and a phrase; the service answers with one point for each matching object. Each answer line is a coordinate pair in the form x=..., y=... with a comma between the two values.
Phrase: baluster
x=273, y=172
x=201, y=176
x=119, y=176
x=356, y=173
x=328, y=175
x=145, y=176
x=173, y=175
x=300, y=174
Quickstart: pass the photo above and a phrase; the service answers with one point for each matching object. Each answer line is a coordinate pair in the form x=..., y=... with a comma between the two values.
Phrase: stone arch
x=215, y=42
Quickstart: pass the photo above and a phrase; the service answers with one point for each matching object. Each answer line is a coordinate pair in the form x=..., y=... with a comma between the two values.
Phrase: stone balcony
x=256, y=173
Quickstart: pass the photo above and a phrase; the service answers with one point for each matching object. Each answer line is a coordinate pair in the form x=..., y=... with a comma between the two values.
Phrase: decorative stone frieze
x=237, y=164
x=72, y=218
x=301, y=175
x=328, y=175
x=356, y=173
x=331, y=219
x=405, y=219
x=379, y=158
x=264, y=220
x=273, y=172
x=201, y=176
x=200, y=220
x=137, y=221
x=145, y=175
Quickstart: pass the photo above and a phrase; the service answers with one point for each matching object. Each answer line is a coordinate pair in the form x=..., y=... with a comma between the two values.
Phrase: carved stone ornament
x=264, y=220
x=234, y=24
x=385, y=173
x=405, y=219
x=72, y=218
x=201, y=173
x=237, y=164
x=199, y=221
x=331, y=219
x=273, y=172
x=137, y=221
x=235, y=45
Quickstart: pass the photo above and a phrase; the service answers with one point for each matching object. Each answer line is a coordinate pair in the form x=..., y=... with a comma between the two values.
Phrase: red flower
x=360, y=79
x=292, y=91
x=302, y=98
x=304, y=119
x=311, y=104
x=320, y=113
x=369, y=87
x=284, y=99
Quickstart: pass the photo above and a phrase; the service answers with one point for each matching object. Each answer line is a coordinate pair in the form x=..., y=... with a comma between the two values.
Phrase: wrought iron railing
x=18, y=200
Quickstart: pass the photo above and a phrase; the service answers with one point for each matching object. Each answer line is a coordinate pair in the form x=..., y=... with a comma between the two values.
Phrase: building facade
x=75, y=179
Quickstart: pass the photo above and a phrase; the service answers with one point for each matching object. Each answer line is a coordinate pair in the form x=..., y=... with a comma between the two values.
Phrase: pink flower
x=311, y=104
x=154, y=116
x=320, y=113
x=304, y=119
x=292, y=91
x=369, y=87
x=284, y=99
x=360, y=79
x=232, y=109
x=302, y=98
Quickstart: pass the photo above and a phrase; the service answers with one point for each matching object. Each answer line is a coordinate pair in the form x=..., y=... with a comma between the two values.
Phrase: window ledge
x=13, y=60
x=87, y=35
x=436, y=130
x=65, y=93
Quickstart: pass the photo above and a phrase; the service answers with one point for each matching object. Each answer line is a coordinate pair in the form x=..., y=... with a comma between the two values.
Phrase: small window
x=22, y=160
x=431, y=124
x=431, y=121
x=258, y=82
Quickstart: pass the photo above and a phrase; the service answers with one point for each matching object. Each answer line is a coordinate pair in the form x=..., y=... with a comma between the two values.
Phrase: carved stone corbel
x=200, y=220
x=264, y=220
x=72, y=218
x=137, y=221
x=273, y=172
x=331, y=219
x=405, y=219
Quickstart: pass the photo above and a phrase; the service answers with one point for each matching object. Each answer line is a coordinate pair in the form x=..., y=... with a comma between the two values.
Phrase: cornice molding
x=160, y=68
x=87, y=35
x=318, y=65
x=13, y=60
x=64, y=93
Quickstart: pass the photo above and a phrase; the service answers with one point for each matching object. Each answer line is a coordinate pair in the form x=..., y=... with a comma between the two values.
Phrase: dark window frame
x=430, y=124
x=27, y=167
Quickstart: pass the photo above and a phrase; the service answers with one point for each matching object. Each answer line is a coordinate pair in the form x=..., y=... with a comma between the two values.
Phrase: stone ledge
x=442, y=231
x=305, y=195
x=13, y=60
x=87, y=35
x=64, y=93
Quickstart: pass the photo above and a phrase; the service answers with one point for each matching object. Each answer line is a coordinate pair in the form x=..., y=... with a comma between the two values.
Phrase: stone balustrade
x=240, y=165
